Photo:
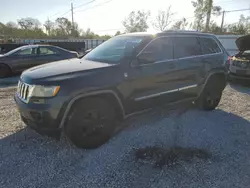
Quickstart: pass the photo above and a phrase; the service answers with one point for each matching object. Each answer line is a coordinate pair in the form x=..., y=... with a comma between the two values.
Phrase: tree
x=136, y=22
x=64, y=27
x=181, y=24
x=29, y=23
x=204, y=9
x=11, y=25
x=117, y=33
x=49, y=26
x=163, y=19
x=242, y=27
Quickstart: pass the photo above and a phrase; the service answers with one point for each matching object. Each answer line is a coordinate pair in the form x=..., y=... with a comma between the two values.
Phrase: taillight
x=229, y=60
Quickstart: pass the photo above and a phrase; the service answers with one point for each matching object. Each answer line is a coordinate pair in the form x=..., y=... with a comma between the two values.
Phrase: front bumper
x=44, y=118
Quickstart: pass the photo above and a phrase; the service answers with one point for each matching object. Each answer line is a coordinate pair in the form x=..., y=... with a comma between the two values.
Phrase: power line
x=65, y=13
x=237, y=10
x=100, y=4
x=227, y=11
x=84, y=4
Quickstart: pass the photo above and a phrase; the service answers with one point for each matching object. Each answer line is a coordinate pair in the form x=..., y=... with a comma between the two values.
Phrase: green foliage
x=32, y=28
x=136, y=22
x=117, y=33
x=242, y=27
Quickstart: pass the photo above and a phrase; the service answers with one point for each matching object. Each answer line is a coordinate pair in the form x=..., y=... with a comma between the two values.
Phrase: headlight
x=44, y=91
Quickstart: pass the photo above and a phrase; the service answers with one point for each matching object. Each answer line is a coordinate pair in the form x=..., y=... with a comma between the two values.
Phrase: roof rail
x=179, y=30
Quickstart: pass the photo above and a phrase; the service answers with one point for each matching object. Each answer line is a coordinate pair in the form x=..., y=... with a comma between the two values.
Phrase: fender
x=66, y=113
x=209, y=76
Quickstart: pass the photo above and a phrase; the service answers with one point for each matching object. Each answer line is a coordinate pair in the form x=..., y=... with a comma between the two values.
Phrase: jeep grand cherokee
x=126, y=74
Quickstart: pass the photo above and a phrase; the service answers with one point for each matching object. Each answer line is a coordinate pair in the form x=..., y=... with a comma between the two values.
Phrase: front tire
x=91, y=123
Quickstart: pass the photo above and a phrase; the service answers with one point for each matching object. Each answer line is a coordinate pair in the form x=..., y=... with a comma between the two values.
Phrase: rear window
x=186, y=47
x=209, y=46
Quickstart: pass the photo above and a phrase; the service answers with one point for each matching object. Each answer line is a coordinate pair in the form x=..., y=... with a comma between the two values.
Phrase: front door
x=23, y=59
x=153, y=78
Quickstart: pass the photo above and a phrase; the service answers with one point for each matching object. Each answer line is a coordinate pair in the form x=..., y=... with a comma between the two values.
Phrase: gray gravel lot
x=30, y=160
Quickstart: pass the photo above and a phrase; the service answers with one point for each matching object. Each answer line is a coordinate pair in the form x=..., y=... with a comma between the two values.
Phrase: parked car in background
x=29, y=56
x=124, y=75
x=239, y=66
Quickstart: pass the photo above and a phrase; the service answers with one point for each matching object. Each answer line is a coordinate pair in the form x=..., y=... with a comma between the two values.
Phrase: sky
x=105, y=16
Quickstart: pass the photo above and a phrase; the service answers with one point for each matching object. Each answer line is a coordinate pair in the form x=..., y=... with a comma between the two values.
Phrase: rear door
x=187, y=52
x=213, y=56
x=47, y=54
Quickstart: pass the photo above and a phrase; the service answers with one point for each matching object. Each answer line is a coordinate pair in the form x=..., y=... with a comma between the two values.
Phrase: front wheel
x=90, y=123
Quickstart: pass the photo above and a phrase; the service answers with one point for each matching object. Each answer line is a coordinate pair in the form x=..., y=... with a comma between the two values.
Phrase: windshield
x=115, y=49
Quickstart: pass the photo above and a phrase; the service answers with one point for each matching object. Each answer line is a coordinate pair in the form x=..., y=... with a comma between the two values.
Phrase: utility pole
x=222, y=20
x=72, y=15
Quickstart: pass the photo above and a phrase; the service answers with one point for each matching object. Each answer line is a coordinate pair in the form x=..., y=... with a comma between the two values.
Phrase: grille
x=23, y=91
x=241, y=64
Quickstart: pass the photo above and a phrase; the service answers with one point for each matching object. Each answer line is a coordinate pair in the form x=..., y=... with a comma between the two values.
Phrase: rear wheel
x=90, y=123
x=211, y=95
x=4, y=70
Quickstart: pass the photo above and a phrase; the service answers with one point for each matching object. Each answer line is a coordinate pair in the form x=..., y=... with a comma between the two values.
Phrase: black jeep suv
x=126, y=74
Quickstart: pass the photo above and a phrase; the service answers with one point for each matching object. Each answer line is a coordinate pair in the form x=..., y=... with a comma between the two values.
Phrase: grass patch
x=170, y=156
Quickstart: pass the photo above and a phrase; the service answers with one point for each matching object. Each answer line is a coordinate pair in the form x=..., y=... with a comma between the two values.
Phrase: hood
x=243, y=43
x=63, y=67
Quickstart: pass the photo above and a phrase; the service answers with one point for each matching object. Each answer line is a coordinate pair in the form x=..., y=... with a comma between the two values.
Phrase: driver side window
x=158, y=50
x=27, y=52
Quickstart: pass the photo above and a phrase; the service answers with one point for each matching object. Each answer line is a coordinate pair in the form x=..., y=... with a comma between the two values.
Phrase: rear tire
x=210, y=96
x=4, y=71
x=90, y=123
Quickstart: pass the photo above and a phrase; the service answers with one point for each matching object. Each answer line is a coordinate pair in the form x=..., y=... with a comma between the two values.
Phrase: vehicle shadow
x=241, y=87
x=37, y=160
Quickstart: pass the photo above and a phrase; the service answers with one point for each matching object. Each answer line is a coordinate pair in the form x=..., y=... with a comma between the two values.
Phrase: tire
x=210, y=97
x=91, y=123
x=4, y=71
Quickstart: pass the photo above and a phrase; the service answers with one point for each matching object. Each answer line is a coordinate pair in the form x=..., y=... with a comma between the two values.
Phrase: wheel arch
x=212, y=75
x=2, y=63
x=110, y=95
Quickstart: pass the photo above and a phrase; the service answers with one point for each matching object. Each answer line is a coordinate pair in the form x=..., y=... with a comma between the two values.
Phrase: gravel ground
x=30, y=160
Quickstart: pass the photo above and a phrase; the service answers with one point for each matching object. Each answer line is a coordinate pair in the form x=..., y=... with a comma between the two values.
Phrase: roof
x=36, y=45
x=137, y=34
x=186, y=32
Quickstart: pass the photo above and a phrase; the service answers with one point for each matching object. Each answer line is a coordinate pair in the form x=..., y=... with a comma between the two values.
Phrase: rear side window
x=159, y=49
x=186, y=47
x=209, y=45
x=46, y=51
